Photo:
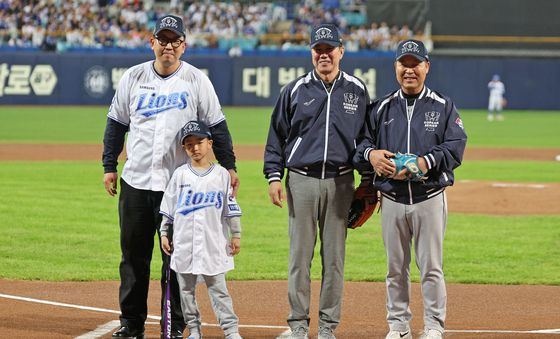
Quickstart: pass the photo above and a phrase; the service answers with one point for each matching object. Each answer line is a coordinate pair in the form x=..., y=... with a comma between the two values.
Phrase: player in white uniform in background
x=152, y=102
x=199, y=207
x=496, y=99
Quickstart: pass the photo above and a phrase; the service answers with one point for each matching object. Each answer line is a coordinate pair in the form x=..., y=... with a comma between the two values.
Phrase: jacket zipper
x=409, y=118
x=327, y=127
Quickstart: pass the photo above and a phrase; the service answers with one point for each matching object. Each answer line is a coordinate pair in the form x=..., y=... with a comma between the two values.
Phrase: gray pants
x=312, y=202
x=424, y=223
x=219, y=297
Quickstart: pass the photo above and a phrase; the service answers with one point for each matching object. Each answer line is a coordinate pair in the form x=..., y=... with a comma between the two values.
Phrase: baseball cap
x=172, y=23
x=197, y=128
x=325, y=34
x=496, y=77
x=412, y=47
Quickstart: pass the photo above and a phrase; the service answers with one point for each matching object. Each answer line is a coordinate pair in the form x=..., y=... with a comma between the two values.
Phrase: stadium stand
x=213, y=26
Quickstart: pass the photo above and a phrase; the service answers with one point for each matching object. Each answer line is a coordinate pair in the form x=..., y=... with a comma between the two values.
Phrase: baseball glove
x=410, y=162
x=363, y=204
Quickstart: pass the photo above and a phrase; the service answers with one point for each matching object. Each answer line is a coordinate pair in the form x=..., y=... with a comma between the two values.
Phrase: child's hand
x=235, y=245
x=166, y=246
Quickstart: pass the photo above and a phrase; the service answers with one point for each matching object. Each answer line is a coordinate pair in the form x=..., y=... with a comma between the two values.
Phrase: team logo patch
x=459, y=122
x=190, y=201
x=431, y=121
x=410, y=47
x=350, y=103
x=324, y=33
x=169, y=22
x=191, y=127
x=151, y=103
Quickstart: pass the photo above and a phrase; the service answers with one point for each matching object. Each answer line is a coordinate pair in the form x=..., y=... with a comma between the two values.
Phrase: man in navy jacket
x=417, y=120
x=313, y=131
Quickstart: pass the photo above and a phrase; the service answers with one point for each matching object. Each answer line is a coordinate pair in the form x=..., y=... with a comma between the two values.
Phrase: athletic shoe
x=399, y=335
x=127, y=333
x=431, y=334
x=490, y=118
x=233, y=336
x=194, y=333
x=299, y=333
x=326, y=333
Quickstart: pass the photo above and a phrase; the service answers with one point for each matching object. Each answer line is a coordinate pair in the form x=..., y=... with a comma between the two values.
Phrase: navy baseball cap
x=414, y=48
x=325, y=34
x=196, y=128
x=171, y=23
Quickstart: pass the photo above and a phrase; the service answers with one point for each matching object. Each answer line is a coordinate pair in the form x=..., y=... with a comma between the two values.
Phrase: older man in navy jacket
x=417, y=120
x=312, y=133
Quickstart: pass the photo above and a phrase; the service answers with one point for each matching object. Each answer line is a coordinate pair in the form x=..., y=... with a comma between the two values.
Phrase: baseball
x=558, y=157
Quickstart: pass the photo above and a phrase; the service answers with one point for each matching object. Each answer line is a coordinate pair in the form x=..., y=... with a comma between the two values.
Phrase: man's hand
x=422, y=164
x=275, y=193
x=166, y=246
x=110, y=181
x=410, y=167
x=234, y=181
x=379, y=159
x=235, y=245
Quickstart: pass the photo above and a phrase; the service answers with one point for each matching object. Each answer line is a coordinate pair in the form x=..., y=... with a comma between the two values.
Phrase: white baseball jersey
x=155, y=109
x=197, y=203
x=497, y=91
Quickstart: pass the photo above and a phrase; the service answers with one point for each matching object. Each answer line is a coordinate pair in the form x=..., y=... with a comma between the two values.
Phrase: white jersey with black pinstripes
x=154, y=109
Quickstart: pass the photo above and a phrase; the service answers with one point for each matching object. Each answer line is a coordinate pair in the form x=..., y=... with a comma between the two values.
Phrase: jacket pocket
x=296, y=145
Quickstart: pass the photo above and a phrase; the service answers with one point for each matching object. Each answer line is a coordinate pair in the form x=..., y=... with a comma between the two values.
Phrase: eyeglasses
x=175, y=43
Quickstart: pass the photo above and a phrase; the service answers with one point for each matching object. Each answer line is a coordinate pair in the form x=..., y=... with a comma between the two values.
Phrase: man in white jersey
x=496, y=99
x=152, y=102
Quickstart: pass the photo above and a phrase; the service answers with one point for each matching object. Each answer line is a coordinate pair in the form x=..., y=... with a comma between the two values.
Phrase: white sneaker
x=490, y=118
x=399, y=335
x=431, y=334
x=299, y=333
x=325, y=333
x=194, y=333
x=500, y=117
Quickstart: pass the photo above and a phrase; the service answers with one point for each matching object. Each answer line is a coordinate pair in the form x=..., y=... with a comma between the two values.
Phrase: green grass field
x=59, y=224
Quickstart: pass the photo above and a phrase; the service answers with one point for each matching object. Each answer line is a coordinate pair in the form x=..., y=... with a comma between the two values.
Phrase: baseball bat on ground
x=167, y=301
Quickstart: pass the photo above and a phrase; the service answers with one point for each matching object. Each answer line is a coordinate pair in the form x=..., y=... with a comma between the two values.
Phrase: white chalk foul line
x=550, y=331
x=506, y=184
x=105, y=310
x=100, y=330
x=514, y=185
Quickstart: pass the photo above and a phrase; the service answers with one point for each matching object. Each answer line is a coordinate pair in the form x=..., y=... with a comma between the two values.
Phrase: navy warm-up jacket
x=435, y=132
x=313, y=131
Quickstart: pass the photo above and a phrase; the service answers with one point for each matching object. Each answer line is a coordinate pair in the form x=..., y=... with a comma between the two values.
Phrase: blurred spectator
x=235, y=51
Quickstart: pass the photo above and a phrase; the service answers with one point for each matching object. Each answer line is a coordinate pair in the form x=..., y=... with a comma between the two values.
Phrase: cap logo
x=191, y=127
x=410, y=47
x=324, y=33
x=169, y=22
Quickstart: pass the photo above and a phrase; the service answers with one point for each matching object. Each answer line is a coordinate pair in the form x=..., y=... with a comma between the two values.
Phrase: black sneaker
x=126, y=333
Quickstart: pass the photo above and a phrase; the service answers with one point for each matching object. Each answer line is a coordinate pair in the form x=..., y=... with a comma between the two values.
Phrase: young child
x=198, y=207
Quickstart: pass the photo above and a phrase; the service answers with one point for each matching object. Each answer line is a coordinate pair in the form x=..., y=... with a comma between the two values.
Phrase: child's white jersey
x=197, y=203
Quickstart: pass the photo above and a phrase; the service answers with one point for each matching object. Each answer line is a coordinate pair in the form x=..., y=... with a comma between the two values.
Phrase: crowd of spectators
x=59, y=25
